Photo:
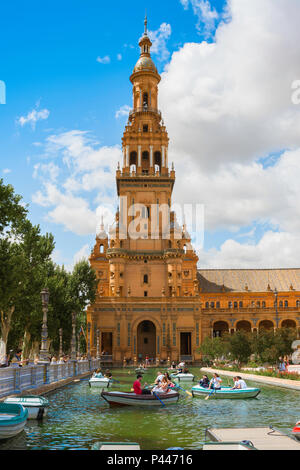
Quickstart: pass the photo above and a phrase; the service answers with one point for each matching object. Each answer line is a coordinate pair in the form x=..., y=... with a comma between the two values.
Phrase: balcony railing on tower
x=145, y=109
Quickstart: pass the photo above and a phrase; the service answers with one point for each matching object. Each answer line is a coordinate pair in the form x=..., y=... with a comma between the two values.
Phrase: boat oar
x=116, y=381
x=178, y=386
x=156, y=396
x=213, y=390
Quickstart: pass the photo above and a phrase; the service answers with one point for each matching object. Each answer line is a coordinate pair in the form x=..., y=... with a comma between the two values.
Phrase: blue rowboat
x=12, y=420
x=37, y=406
x=226, y=392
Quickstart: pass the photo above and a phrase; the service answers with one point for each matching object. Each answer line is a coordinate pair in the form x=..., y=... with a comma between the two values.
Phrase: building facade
x=152, y=299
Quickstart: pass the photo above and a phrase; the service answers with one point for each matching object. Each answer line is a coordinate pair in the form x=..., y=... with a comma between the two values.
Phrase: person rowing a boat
x=159, y=378
x=137, y=387
x=215, y=382
x=98, y=374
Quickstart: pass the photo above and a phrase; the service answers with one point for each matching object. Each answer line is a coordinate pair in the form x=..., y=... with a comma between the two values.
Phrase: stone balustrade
x=15, y=379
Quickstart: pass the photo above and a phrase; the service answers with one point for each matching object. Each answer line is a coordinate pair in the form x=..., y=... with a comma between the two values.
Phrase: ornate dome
x=145, y=63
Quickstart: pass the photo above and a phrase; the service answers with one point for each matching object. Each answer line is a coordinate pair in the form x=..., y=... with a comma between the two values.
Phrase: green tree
x=213, y=348
x=239, y=346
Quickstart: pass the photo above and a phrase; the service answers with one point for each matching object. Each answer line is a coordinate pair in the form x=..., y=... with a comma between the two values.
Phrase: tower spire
x=146, y=24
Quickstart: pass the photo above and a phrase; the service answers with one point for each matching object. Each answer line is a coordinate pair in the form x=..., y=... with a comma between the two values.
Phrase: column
x=166, y=157
x=163, y=156
x=151, y=156
x=139, y=156
x=127, y=155
x=124, y=157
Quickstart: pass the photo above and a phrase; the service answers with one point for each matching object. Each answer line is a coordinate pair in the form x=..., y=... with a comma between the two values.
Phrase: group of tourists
x=162, y=384
x=215, y=382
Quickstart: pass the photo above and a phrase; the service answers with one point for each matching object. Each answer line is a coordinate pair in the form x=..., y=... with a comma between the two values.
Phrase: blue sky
x=66, y=67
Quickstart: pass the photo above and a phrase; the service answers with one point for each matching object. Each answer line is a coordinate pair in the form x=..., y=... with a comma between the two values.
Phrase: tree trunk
x=26, y=345
x=6, y=325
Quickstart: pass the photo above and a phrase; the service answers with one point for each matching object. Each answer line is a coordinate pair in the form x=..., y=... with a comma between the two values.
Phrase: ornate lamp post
x=88, y=341
x=98, y=343
x=44, y=354
x=73, y=341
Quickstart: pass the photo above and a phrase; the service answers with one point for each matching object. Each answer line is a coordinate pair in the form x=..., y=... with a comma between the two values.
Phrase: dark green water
x=78, y=417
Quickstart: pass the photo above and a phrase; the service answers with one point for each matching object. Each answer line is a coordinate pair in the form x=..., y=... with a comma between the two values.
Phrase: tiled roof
x=253, y=280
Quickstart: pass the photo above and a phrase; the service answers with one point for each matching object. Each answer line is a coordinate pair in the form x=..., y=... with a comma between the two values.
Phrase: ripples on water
x=78, y=417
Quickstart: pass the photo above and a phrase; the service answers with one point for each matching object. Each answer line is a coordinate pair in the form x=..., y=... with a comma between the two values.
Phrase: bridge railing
x=15, y=379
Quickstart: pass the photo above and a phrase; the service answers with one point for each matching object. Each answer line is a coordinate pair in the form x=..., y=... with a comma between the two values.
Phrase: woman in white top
x=215, y=382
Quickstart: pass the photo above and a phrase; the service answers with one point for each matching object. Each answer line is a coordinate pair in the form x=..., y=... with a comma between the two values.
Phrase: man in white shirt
x=240, y=384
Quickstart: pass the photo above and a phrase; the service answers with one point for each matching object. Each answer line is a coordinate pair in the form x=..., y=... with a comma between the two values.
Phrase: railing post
x=17, y=380
x=46, y=373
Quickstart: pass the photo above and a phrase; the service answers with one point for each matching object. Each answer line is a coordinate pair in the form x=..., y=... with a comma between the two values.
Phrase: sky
x=229, y=97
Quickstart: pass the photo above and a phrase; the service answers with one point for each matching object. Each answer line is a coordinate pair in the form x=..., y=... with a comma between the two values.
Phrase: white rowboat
x=37, y=406
x=183, y=377
x=101, y=382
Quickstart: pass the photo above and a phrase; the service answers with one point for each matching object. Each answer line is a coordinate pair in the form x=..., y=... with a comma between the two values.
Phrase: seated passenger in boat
x=204, y=382
x=159, y=377
x=185, y=371
x=180, y=367
x=215, y=382
x=173, y=365
x=137, y=387
x=240, y=383
x=168, y=379
x=98, y=374
x=108, y=374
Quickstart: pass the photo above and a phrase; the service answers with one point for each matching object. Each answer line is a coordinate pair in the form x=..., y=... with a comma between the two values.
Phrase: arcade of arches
x=153, y=299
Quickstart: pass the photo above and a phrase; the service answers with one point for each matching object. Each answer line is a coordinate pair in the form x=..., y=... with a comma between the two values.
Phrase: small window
x=212, y=305
x=258, y=304
x=207, y=305
x=146, y=279
x=263, y=304
x=229, y=304
x=145, y=128
x=286, y=303
x=235, y=305
x=218, y=305
x=101, y=249
x=145, y=294
x=241, y=304
x=145, y=340
x=281, y=304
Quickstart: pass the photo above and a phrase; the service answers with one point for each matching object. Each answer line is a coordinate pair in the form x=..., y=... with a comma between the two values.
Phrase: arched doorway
x=146, y=340
x=266, y=325
x=219, y=328
x=243, y=325
x=288, y=324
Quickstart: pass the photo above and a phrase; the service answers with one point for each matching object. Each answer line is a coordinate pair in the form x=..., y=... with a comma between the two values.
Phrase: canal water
x=78, y=417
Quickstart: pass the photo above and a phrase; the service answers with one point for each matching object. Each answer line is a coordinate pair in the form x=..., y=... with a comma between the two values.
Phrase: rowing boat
x=131, y=399
x=225, y=392
x=116, y=446
x=102, y=382
x=296, y=431
x=183, y=377
x=37, y=406
x=12, y=420
x=140, y=370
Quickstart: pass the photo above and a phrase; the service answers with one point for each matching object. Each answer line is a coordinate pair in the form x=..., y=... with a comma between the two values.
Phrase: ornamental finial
x=146, y=24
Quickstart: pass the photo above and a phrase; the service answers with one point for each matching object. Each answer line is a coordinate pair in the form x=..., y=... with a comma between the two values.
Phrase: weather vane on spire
x=146, y=24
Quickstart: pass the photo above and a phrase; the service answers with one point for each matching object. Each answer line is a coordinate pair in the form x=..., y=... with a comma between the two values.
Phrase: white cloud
x=227, y=105
x=123, y=111
x=6, y=171
x=206, y=15
x=159, y=40
x=83, y=167
x=274, y=250
x=119, y=56
x=33, y=117
x=103, y=60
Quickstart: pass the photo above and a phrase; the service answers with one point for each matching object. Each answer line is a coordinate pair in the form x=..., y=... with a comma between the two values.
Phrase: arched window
x=281, y=304
x=101, y=249
x=206, y=304
x=298, y=304
x=286, y=303
x=133, y=158
x=157, y=159
x=145, y=278
x=218, y=305
x=229, y=304
x=235, y=305
x=145, y=100
x=212, y=305
x=241, y=304
x=258, y=304
x=184, y=248
x=263, y=304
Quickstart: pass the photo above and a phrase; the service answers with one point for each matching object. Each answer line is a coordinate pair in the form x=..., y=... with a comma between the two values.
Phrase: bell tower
x=149, y=254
